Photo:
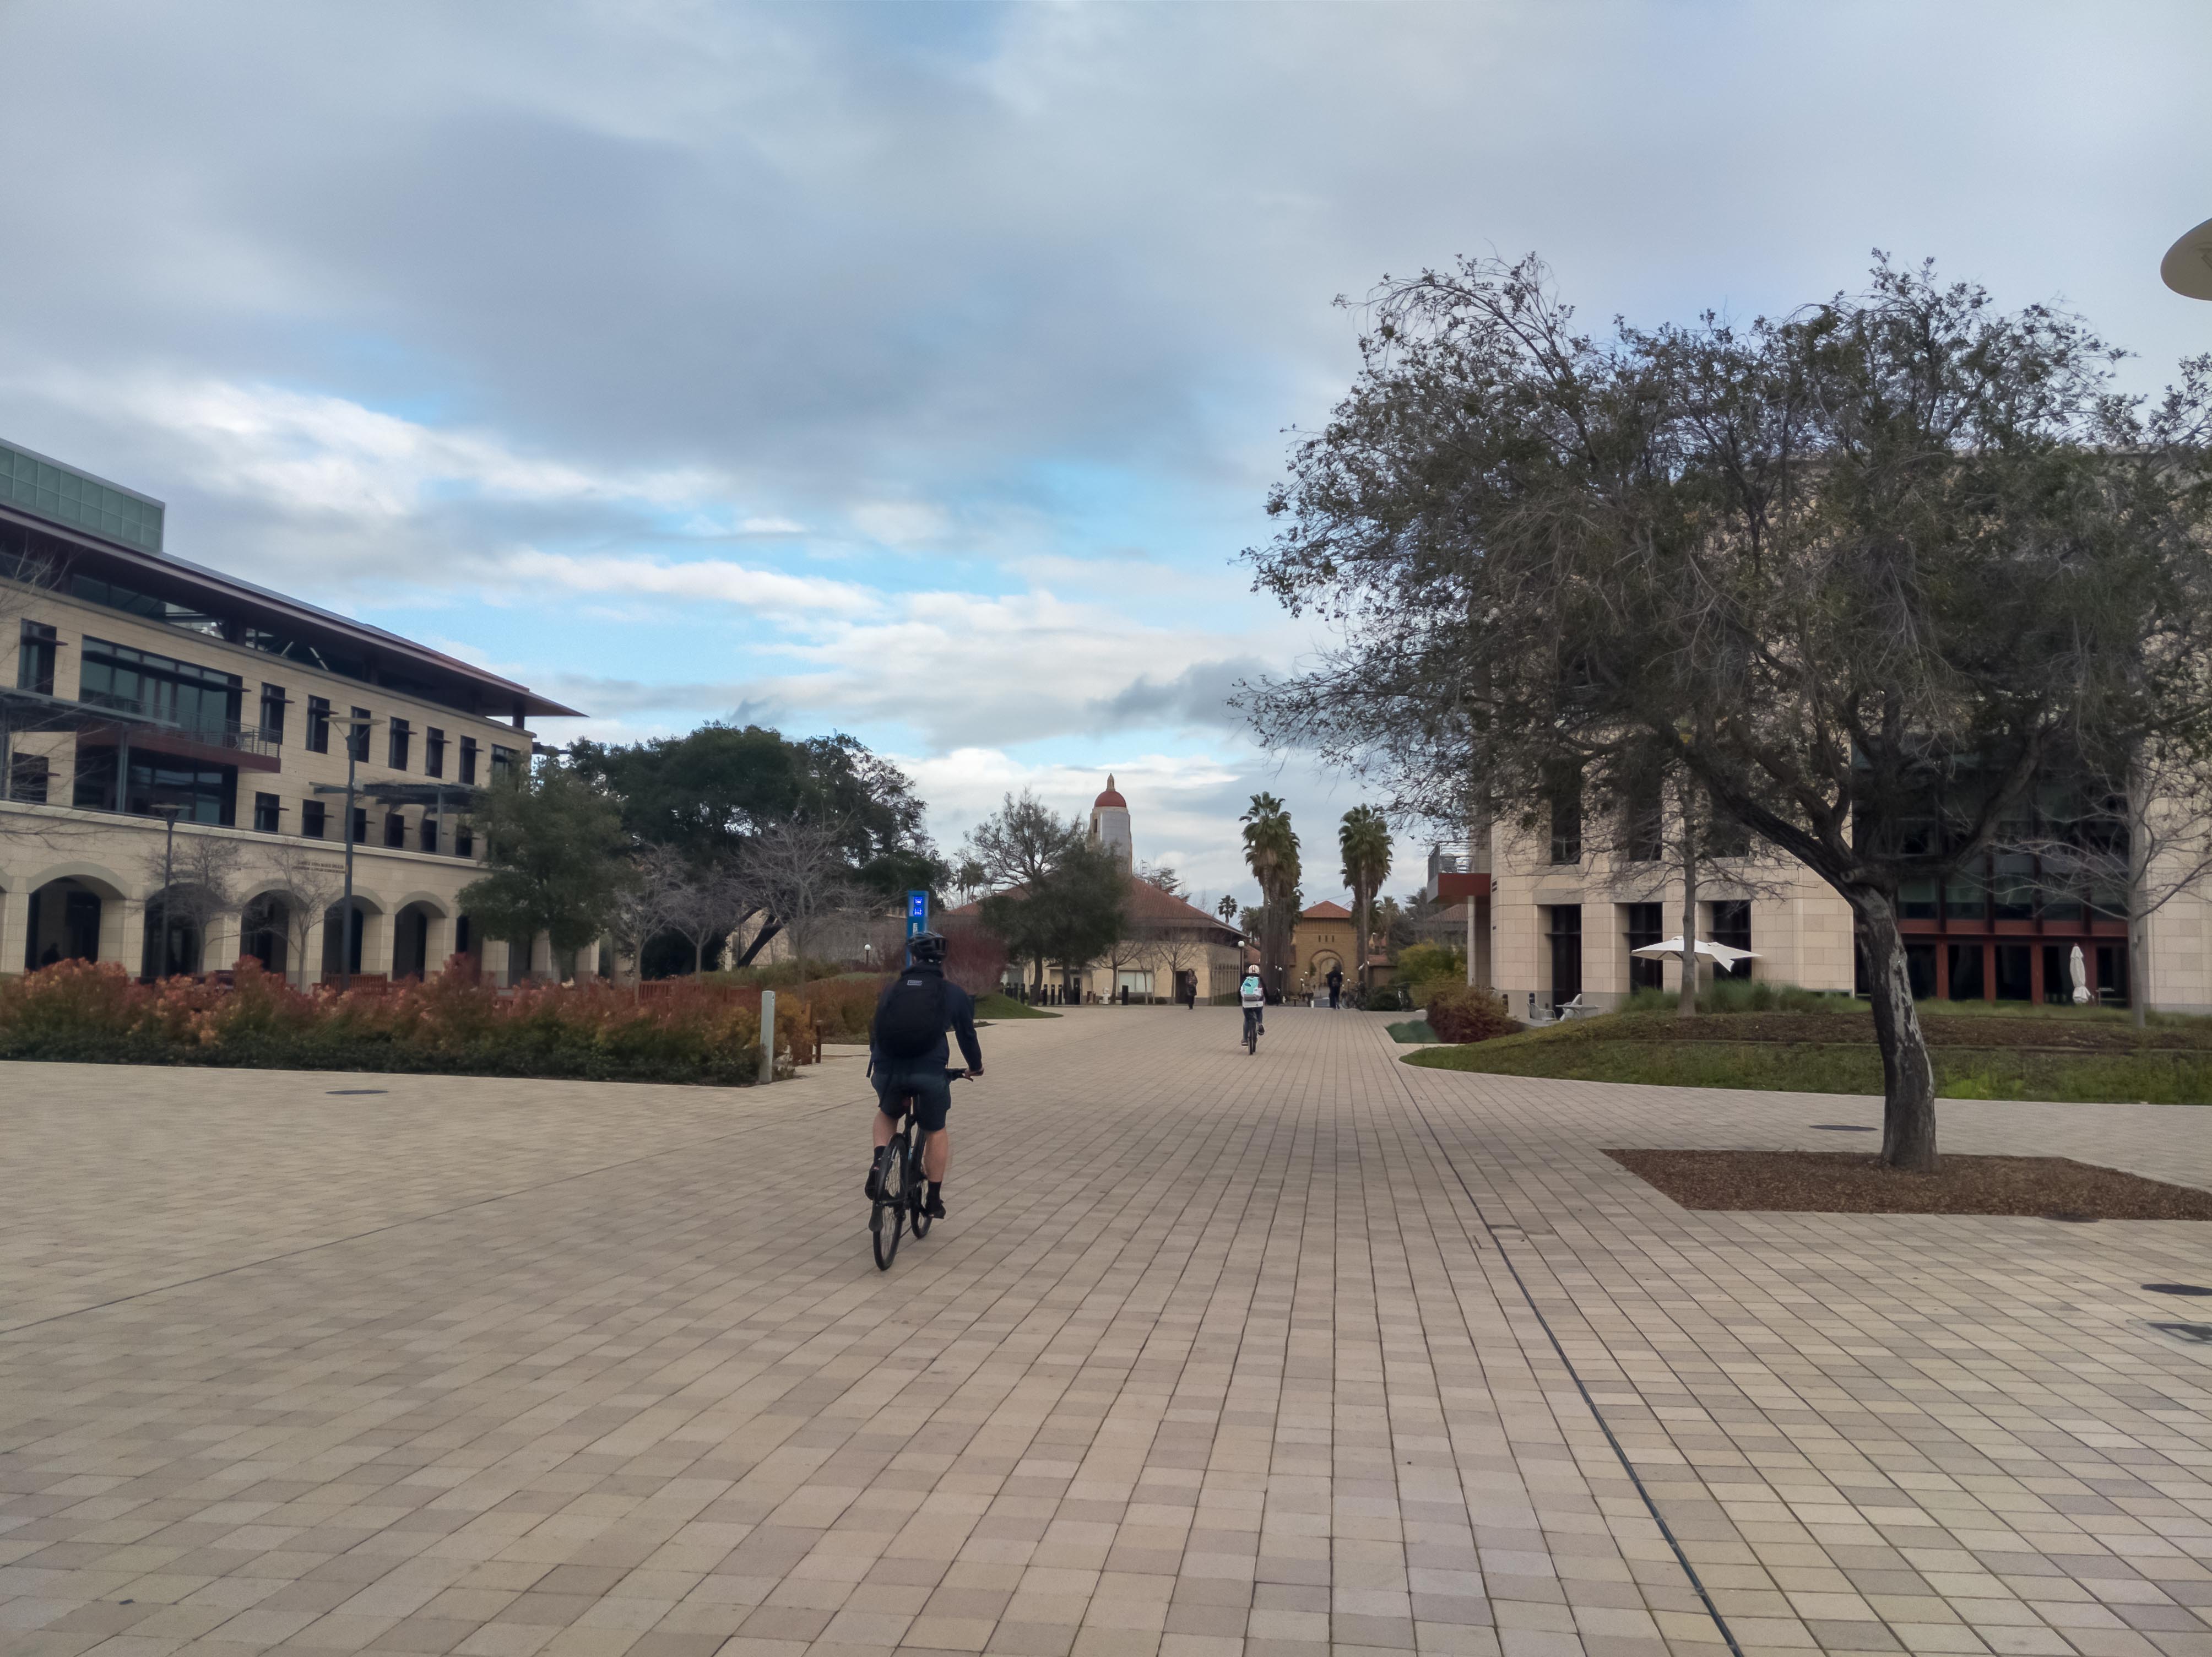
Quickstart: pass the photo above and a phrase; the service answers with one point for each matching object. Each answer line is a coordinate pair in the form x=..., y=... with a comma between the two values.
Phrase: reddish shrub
x=1467, y=1012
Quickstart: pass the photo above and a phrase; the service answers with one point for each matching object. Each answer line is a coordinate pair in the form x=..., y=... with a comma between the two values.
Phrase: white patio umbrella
x=1720, y=954
x=2077, y=969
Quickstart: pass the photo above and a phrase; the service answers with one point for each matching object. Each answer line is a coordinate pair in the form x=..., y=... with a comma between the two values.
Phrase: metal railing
x=230, y=733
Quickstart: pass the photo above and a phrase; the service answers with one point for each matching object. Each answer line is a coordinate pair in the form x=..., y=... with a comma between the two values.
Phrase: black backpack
x=911, y=1020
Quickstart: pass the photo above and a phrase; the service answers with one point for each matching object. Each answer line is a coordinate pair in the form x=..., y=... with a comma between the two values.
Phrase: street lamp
x=357, y=728
x=169, y=810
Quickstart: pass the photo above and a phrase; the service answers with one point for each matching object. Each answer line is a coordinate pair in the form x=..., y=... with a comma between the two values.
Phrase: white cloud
x=762, y=592
x=902, y=524
x=317, y=454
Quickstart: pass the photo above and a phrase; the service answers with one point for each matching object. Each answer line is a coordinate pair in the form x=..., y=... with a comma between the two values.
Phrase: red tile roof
x=1326, y=910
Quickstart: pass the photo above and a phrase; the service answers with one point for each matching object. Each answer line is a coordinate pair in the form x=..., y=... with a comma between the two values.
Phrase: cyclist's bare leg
x=937, y=1155
x=884, y=1128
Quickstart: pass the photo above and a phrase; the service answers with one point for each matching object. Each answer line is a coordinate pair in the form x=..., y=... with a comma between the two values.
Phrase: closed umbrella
x=2078, y=970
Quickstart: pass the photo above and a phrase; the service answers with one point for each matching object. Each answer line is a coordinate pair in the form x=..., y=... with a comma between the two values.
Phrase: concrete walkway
x=1216, y=1354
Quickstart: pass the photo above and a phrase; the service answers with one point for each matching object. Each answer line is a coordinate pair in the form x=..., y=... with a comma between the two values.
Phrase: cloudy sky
x=918, y=370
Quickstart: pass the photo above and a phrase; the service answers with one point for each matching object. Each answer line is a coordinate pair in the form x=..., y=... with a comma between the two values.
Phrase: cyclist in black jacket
x=899, y=1070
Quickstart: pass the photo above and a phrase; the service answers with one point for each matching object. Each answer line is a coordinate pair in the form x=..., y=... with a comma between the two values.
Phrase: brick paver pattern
x=1217, y=1354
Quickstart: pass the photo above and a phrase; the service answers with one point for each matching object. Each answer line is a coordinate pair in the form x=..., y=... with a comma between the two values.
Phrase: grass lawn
x=996, y=1006
x=2085, y=1058
x=1411, y=1030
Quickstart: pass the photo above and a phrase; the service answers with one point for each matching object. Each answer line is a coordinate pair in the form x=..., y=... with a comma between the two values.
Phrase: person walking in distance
x=1335, y=986
x=909, y=1057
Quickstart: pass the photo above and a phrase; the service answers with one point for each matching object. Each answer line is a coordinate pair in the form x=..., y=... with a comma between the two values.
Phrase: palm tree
x=1271, y=848
x=1365, y=839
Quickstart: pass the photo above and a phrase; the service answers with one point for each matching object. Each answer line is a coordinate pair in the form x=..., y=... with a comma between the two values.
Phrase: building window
x=180, y=693
x=469, y=760
x=310, y=819
x=272, y=713
x=433, y=752
x=502, y=764
x=1566, y=803
x=319, y=724
x=395, y=828
x=465, y=842
x=268, y=813
x=35, y=663
x=361, y=826
x=28, y=778
x=398, y=746
x=1643, y=821
x=429, y=833
x=1643, y=922
x=357, y=735
x=1732, y=927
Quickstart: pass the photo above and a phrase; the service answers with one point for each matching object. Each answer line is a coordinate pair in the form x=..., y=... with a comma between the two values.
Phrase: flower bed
x=78, y=1011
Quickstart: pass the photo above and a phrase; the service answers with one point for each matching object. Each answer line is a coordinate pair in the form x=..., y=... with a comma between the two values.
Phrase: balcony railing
x=214, y=734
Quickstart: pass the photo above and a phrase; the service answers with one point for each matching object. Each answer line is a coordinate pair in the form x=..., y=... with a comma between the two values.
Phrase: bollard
x=768, y=1036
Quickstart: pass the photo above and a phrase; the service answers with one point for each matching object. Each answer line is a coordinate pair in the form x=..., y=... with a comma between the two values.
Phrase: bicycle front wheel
x=890, y=1212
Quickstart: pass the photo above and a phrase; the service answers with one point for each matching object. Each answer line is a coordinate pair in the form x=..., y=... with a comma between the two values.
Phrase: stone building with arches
x=175, y=748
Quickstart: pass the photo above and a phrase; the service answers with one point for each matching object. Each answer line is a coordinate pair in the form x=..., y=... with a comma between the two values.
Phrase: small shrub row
x=452, y=1024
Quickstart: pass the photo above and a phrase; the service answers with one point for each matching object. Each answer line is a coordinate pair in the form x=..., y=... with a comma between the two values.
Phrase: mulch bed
x=1848, y=1182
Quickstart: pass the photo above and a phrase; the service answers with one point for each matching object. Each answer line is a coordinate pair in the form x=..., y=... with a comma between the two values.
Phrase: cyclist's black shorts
x=932, y=1091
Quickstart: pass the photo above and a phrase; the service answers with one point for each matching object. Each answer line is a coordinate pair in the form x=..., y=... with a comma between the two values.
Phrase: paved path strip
x=1217, y=1354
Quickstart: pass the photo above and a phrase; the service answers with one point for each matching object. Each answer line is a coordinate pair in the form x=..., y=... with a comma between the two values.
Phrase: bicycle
x=1251, y=1031
x=900, y=1198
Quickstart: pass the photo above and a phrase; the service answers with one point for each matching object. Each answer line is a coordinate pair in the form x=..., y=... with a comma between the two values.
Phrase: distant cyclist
x=908, y=1055
x=1255, y=1002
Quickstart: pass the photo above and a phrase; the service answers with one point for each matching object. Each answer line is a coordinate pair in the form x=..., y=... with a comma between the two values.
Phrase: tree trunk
x=1908, y=1077
x=2138, y=889
x=699, y=959
x=1686, y=1005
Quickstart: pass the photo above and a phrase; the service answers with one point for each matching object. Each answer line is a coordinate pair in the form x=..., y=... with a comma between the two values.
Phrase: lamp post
x=357, y=738
x=169, y=811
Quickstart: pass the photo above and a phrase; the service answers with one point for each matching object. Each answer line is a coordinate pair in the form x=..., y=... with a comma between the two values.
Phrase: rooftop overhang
x=163, y=575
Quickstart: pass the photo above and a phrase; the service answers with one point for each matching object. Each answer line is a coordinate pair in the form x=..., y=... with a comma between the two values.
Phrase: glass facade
x=196, y=699
x=46, y=489
x=208, y=794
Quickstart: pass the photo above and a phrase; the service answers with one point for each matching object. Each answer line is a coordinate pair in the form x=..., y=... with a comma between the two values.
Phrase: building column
x=496, y=953
x=541, y=964
x=378, y=934
x=219, y=942
x=441, y=946
x=122, y=932
x=15, y=928
x=587, y=961
x=307, y=972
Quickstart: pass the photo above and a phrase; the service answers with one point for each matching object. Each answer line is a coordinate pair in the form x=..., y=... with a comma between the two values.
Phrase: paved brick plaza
x=1216, y=1354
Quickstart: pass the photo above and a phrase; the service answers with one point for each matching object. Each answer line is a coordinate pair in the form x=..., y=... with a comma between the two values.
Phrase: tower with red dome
x=1110, y=824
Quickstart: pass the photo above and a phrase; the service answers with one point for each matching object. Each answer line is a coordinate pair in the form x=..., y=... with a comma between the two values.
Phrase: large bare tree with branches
x=1865, y=573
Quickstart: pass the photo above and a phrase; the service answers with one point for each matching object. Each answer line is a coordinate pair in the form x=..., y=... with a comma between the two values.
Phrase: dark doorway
x=1965, y=964
x=1644, y=921
x=2015, y=969
x=1566, y=939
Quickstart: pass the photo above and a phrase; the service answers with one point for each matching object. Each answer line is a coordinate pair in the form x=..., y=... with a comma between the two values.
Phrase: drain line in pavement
x=1589, y=1402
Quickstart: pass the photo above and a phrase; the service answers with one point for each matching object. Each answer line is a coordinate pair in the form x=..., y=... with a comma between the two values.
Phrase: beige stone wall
x=1799, y=929
x=109, y=854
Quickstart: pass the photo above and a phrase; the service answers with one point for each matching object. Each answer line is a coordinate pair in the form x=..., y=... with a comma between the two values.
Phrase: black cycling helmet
x=926, y=948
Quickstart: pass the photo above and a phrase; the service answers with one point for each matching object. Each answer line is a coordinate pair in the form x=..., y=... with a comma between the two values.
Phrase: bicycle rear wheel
x=890, y=1212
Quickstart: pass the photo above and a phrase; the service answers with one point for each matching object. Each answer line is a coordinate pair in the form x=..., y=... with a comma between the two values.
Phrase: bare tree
x=193, y=878
x=798, y=873
x=645, y=904
x=309, y=881
x=2123, y=840
x=702, y=906
x=1175, y=950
